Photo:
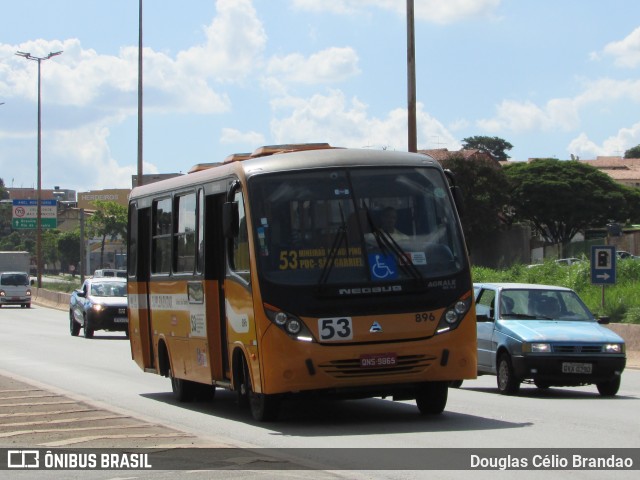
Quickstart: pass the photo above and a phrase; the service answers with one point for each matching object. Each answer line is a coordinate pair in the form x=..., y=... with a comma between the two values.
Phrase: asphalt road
x=98, y=397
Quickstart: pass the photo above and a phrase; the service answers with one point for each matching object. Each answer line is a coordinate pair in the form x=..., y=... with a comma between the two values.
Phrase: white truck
x=15, y=261
x=14, y=279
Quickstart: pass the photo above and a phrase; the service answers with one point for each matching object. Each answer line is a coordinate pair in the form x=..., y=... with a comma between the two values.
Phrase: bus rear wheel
x=431, y=397
x=264, y=408
x=183, y=390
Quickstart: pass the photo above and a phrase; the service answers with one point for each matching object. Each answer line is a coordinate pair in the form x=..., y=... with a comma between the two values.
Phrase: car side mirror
x=80, y=293
x=604, y=320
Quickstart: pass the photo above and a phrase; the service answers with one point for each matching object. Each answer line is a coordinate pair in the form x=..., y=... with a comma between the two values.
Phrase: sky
x=554, y=78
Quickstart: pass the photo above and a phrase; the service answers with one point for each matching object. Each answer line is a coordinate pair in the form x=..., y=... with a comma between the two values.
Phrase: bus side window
x=240, y=251
x=161, y=236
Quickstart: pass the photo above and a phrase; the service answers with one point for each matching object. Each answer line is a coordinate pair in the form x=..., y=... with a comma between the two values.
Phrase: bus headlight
x=289, y=323
x=454, y=314
x=97, y=307
x=280, y=318
x=293, y=326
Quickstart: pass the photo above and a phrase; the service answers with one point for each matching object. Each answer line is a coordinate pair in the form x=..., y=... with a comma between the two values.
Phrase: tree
x=484, y=189
x=69, y=249
x=3, y=191
x=562, y=198
x=633, y=152
x=50, y=248
x=109, y=220
x=494, y=146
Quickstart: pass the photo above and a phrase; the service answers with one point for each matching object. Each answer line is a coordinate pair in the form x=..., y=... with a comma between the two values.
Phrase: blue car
x=544, y=335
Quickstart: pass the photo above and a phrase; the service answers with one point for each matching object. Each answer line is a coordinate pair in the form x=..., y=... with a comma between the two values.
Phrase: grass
x=62, y=283
x=621, y=301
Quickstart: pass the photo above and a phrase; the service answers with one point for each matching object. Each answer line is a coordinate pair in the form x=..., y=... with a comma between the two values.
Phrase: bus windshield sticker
x=383, y=267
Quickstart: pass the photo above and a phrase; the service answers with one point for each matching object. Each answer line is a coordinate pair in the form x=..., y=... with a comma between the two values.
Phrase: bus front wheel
x=431, y=397
x=264, y=408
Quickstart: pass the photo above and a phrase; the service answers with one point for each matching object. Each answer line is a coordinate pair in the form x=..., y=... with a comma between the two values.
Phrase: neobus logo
x=366, y=290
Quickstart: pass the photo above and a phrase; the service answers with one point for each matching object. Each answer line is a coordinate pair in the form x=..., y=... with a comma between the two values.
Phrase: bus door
x=238, y=298
x=140, y=332
x=214, y=272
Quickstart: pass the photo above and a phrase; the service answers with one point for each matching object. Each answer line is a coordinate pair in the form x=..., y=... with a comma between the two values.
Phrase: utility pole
x=411, y=80
x=139, y=177
x=28, y=56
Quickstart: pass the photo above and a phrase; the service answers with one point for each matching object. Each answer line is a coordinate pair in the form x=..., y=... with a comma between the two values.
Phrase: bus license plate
x=379, y=360
x=121, y=320
x=570, y=367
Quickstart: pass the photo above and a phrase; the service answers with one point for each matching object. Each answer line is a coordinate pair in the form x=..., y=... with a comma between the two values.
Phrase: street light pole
x=28, y=56
x=412, y=137
x=139, y=177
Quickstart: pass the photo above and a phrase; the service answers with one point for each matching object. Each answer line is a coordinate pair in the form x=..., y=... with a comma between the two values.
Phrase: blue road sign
x=603, y=264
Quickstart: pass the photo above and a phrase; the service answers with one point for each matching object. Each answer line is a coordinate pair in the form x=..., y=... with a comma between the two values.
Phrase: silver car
x=544, y=335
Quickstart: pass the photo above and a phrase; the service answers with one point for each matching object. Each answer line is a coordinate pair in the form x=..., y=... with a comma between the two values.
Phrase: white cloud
x=327, y=66
x=345, y=122
x=627, y=51
x=235, y=41
x=436, y=11
x=527, y=116
x=251, y=139
x=85, y=152
x=615, y=145
x=559, y=113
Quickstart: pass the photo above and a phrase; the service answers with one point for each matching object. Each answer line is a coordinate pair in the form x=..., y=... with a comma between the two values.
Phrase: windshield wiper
x=387, y=243
x=341, y=236
x=523, y=316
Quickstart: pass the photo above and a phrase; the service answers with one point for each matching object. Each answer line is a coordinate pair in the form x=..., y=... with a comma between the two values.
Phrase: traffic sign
x=25, y=214
x=603, y=265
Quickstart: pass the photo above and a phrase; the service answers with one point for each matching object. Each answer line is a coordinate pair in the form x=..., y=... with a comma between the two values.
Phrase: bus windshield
x=355, y=225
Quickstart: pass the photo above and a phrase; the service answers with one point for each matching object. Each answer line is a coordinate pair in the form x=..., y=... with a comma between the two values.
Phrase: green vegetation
x=621, y=301
x=67, y=285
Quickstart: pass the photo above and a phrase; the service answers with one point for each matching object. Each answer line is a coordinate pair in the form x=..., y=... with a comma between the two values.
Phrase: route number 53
x=332, y=329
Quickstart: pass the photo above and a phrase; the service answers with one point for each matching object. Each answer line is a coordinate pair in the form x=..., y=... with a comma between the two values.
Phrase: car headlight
x=614, y=348
x=97, y=307
x=536, y=347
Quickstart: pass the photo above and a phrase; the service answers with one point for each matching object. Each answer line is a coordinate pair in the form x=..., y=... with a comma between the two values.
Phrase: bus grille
x=351, y=368
x=577, y=348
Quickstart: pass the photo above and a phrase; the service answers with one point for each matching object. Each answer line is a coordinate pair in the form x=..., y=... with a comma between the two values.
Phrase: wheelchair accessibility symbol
x=383, y=267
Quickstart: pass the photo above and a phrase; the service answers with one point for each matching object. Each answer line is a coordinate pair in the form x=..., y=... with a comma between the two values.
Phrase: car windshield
x=538, y=304
x=355, y=225
x=14, y=279
x=109, y=289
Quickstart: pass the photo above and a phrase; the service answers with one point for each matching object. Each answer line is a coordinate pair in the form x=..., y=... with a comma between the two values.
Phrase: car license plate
x=379, y=360
x=120, y=320
x=570, y=367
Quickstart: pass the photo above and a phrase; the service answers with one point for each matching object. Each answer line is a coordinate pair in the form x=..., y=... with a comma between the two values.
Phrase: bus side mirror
x=456, y=191
x=230, y=219
x=458, y=199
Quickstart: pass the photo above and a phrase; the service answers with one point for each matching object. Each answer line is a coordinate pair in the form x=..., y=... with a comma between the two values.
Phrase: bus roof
x=285, y=157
